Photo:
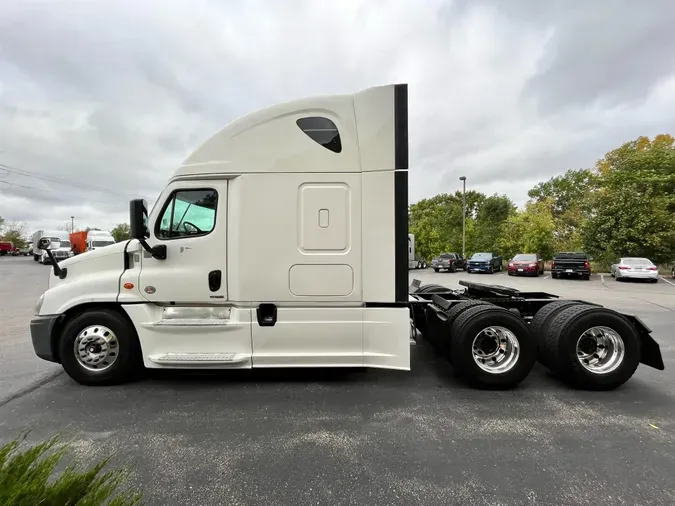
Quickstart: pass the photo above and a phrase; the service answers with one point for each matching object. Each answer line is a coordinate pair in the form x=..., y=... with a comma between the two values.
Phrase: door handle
x=215, y=278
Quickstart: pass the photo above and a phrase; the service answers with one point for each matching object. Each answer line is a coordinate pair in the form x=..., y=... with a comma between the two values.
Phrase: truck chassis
x=492, y=335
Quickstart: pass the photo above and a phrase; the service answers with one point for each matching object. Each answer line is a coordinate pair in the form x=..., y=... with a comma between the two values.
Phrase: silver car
x=635, y=268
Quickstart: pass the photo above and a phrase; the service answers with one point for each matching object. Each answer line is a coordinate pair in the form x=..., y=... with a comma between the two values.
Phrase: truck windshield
x=481, y=256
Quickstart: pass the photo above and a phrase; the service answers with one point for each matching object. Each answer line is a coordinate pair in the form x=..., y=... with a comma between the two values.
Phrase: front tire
x=491, y=347
x=100, y=347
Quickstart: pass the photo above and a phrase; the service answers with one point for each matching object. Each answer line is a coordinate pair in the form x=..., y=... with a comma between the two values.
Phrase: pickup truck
x=450, y=262
x=484, y=262
x=568, y=264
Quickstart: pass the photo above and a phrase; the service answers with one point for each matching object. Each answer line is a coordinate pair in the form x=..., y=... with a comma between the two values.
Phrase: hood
x=93, y=255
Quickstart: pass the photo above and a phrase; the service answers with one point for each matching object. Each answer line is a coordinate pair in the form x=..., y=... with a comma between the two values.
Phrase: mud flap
x=650, y=350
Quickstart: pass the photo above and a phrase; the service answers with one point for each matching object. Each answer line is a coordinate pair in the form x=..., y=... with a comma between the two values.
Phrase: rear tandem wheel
x=591, y=347
x=491, y=347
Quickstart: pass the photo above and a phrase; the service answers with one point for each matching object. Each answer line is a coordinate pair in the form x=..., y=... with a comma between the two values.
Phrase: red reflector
x=587, y=265
x=623, y=267
x=652, y=268
x=552, y=265
x=128, y=286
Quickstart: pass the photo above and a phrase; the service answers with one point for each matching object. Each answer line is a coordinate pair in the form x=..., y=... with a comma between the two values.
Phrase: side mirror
x=138, y=219
x=44, y=243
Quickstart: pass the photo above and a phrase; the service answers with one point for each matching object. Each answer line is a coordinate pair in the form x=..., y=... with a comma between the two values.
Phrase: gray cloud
x=116, y=94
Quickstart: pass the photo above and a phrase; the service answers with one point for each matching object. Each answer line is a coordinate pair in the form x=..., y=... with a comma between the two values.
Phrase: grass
x=28, y=478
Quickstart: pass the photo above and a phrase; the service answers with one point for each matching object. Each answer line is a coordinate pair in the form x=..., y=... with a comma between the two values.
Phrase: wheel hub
x=496, y=350
x=96, y=348
x=600, y=350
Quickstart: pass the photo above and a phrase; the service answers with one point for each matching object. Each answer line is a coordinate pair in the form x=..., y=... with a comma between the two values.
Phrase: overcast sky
x=113, y=95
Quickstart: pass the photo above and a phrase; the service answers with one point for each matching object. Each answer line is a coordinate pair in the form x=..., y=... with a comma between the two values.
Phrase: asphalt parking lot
x=355, y=437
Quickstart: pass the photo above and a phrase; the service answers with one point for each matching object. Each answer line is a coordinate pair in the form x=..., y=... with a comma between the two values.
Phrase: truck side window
x=188, y=213
x=323, y=131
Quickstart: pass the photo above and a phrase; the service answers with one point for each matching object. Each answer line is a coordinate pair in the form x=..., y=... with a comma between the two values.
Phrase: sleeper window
x=188, y=213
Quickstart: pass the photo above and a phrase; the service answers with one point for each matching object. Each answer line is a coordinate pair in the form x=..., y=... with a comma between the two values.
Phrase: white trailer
x=413, y=261
x=282, y=241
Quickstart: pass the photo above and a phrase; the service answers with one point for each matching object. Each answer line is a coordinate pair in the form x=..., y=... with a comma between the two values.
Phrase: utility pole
x=463, y=180
x=72, y=224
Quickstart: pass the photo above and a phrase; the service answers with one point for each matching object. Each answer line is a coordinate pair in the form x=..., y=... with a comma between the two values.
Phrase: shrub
x=27, y=477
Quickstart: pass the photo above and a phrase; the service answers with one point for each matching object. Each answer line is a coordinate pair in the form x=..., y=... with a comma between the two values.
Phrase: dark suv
x=450, y=262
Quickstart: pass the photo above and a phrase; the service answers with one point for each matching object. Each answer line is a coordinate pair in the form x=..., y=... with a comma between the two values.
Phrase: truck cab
x=282, y=241
x=60, y=246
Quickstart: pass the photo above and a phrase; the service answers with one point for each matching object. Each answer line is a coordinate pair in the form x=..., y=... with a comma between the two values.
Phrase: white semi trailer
x=282, y=241
x=413, y=261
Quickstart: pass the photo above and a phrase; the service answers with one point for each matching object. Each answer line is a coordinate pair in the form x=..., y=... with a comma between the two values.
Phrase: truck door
x=191, y=323
x=191, y=222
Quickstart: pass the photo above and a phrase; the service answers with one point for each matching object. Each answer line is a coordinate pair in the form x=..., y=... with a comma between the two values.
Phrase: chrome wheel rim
x=96, y=348
x=495, y=350
x=600, y=350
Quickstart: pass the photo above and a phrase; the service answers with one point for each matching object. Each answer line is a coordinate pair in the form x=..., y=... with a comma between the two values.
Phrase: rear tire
x=471, y=326
x=436, y=269
x=554, y=275
x=122, y=350
x=35, y=258
x=586, y=277
x=569, y=346
x=542, y=321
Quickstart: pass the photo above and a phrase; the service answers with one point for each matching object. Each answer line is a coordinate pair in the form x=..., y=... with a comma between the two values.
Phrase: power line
x=52, y=179
x=79, y=197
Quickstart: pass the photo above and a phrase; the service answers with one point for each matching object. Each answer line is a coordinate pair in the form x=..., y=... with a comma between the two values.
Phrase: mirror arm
x=58, y=270
x=158, y=252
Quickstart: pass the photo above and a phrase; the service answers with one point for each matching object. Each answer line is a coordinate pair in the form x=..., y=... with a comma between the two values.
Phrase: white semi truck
x=282, y=241
x=61, y=247
x=413, y=261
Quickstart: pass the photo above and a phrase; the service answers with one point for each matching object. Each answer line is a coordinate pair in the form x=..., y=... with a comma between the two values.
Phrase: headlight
x=70, y=253
x=38, y=306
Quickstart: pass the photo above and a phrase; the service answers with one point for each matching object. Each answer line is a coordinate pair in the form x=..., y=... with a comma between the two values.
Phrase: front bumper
x=523, y=270
x=41, y=330
x=478, y=268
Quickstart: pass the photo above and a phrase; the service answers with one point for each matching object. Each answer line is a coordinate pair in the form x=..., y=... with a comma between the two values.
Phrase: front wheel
x=100, y=347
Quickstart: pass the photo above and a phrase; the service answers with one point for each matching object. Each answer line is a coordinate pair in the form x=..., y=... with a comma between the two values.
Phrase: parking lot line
x=547, y=276
x=669, y=282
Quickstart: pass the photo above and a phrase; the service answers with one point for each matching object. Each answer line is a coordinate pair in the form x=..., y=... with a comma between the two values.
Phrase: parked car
x=484, y=262
x=450, y=262
x=526, y=264
x=571, y=264
x=635, y=268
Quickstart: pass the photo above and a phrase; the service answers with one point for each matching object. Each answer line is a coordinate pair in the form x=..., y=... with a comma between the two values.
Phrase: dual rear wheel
x=587, y=346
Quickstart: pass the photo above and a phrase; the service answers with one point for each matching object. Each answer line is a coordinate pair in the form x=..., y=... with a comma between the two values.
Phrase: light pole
x=463, y=180
x=72, y=224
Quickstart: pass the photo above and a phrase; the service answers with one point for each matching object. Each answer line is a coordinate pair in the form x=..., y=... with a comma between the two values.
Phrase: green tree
x=529, y=231
x=121, y=232
x=492, y=214
x=568, y=196
x=437, y=222
x=632, y=211
x=15, y=233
